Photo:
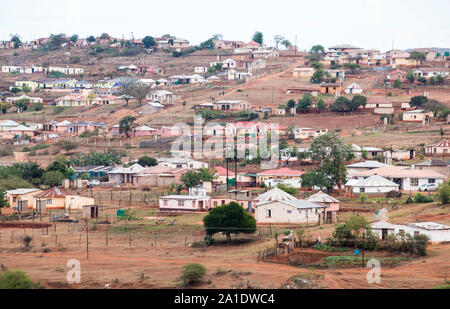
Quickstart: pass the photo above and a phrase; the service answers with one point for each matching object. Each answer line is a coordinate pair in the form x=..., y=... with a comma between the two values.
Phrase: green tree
x=126, y=125
x=318, y=76
x=22, y=104
x=148, y=41
x=321, y=105
x=90, y=39
x=229, y=219
x=305, y=102
x=16, y=40
x=4, y=106
x=3, y=200
x=15, y=279
x=433, y=106
x=418, y=101
x=444, y=193
x=147, y=161
x=418, y=56
x=286, y=43
x=207, y=174
x=258, y=37
x=55, y=41
x=192, y=273
x=317, y=49
x=316, y=65
x=330, y=151
x=74, y=38
x=317, y=178
x=342, y=104
x=352, y=67
x=357, y=101
x=411, y=77
x=397, y=83
x=191, y=179
x=357, y=224
x=52, y=178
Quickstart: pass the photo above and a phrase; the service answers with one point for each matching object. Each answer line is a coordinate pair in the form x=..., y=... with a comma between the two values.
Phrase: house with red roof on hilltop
x=281, y=173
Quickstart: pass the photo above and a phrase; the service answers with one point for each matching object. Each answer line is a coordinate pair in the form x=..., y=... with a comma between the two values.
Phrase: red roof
x=284, y=171
x=253, y=43
x=223, y=171
x=443, y=143
x=54, y=192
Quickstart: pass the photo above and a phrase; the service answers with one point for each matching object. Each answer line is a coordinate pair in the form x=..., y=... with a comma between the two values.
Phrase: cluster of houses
x=30, y=69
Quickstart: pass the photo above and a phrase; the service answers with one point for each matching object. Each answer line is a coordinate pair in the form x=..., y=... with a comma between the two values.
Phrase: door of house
x=384, y=234
x=200, y=205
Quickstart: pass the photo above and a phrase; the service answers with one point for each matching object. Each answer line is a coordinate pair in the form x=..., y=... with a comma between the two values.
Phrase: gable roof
x=275, y=194
x=54, y=192
x=392, y=171
x=284, y=171
x=375, y=181
x=21, y=191
x=221, y=171
x=367, y=164
x=321, y=197
x=443, y=143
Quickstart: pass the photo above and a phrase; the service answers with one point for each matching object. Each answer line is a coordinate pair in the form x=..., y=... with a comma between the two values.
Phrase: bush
x=192, y=273
x=15, y=279
x=363, y=197
x=444, y=193
x=419, y=198
x=393, y=194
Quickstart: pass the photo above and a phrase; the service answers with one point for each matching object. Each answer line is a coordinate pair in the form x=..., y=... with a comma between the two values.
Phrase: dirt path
x=20, y=156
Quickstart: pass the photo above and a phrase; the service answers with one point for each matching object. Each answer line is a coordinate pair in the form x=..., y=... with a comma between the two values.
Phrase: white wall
x=280, y=214
x=435, y=235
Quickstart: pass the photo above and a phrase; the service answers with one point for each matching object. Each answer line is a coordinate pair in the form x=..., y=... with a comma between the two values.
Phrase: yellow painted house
x=23, y=196
x=26, y=83
x=58, y=198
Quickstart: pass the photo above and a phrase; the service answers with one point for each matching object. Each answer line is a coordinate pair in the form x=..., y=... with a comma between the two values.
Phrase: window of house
x=223, y=202
x=401, y=232
x=416, y=232
x=215, y=203
x=431, y=180
x=14, y=199
x=289, y=211
x=180, y=202
x=414, y=182
x=362, y=190
x=49, y=201
x=268, y=213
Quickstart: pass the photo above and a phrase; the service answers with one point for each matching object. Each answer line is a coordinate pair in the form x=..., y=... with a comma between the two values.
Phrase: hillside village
x=92, y=136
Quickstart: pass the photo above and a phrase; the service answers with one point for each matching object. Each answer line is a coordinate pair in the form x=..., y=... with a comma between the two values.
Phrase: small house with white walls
x=435, y=231
x=331, y=204
x=196, y=200
x=373, y=185
x=277, y=206
x=353, y=88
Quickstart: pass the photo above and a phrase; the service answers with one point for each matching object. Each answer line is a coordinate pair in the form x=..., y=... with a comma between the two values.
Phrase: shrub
x=15, y=279
x=363, y=197
x=419, y=198
x=421, y=243
x=444, y=193
x=27, y=241
x=192, y=273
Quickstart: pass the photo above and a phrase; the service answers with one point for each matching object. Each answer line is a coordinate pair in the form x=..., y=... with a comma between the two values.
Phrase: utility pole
x=87, y=240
